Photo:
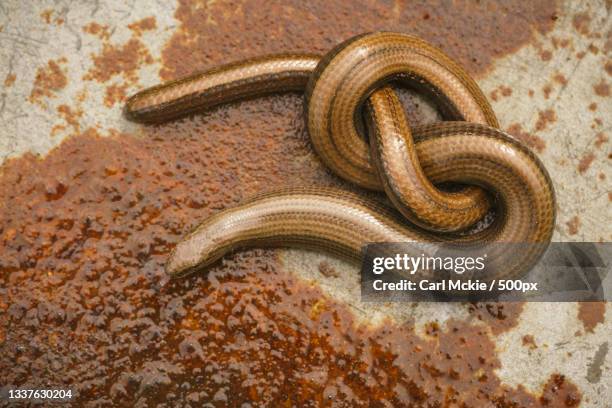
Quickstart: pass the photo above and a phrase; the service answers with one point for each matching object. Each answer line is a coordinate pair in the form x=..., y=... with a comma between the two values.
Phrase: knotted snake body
x=382, y=152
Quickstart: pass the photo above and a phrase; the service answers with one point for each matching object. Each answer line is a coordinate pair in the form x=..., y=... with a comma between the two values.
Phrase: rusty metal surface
x=65, y=69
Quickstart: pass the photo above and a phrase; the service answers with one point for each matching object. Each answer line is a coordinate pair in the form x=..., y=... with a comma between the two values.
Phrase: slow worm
x=358, y=128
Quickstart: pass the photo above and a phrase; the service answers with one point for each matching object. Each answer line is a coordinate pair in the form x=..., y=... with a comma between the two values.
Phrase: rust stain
x=593, y=107
x=49, y=79
x=212, y=33
x=591, y=314
x=597, y=123
x=71, y=118
x=119, y=61
x=146, y=24
x=600, y=139
x=9, y=80
x=547, y=89
x=560, y=78
x=593, y=49
x=560, y=42
x=556, y=390
x=124, y=60
x=432, y=329
x=573, y=225
x=582, y=22
x=46, y=15
x=544, y=119
x=500, y=317
x=95, y=29
x=545, y=55
x=585, y=162
x=602, y=88
x=608, y=67
x=529, y=342
x=531, y=140
x=90, y=225
x=115, y=94
x=85, y=232
x=500, y=91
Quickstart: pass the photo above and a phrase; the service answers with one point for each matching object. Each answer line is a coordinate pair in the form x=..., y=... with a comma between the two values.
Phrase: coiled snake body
x=381, y=153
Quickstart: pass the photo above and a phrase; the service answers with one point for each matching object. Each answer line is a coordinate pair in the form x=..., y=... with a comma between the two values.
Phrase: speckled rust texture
x=85, y=231
x=471, y=32
x=591, y=314
x=49, y=79
x=84, y=235
x=500, y=316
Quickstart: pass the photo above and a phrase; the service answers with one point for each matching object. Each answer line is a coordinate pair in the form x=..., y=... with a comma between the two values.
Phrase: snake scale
x=358, y=128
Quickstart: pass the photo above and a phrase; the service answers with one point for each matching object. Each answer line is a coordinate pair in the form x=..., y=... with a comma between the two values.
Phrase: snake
x=439, y=179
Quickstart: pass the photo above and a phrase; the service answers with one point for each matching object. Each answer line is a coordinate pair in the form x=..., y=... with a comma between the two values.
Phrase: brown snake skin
x=348, y=84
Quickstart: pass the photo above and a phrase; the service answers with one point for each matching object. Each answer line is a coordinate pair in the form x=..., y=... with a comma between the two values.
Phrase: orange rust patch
x=558, y=389
x=114, y=94
x=533, y=141
x=49, y=79
x=585, y=162
x=46, y=15
x=544, y=119
x=602, y=88
x=560, y=78
x=593, y=107
x=84, y=241
x=500, y=91
x=122, y=60
x=600, y=139
x=573, y=225
x=591, y=314
x=529, y=342
x=9, y=80
x=560, y=43
x=547, y=89
x=582, y=22
x=593, y=49
x=146, y=24
x=608, y=68
x=432, y=329
x=100, y=31
x=212, y=33
x=545, y=55
x=71, y=117
x=500, y=317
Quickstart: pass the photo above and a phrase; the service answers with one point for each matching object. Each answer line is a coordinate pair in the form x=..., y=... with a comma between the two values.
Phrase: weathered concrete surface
x=553, y=91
